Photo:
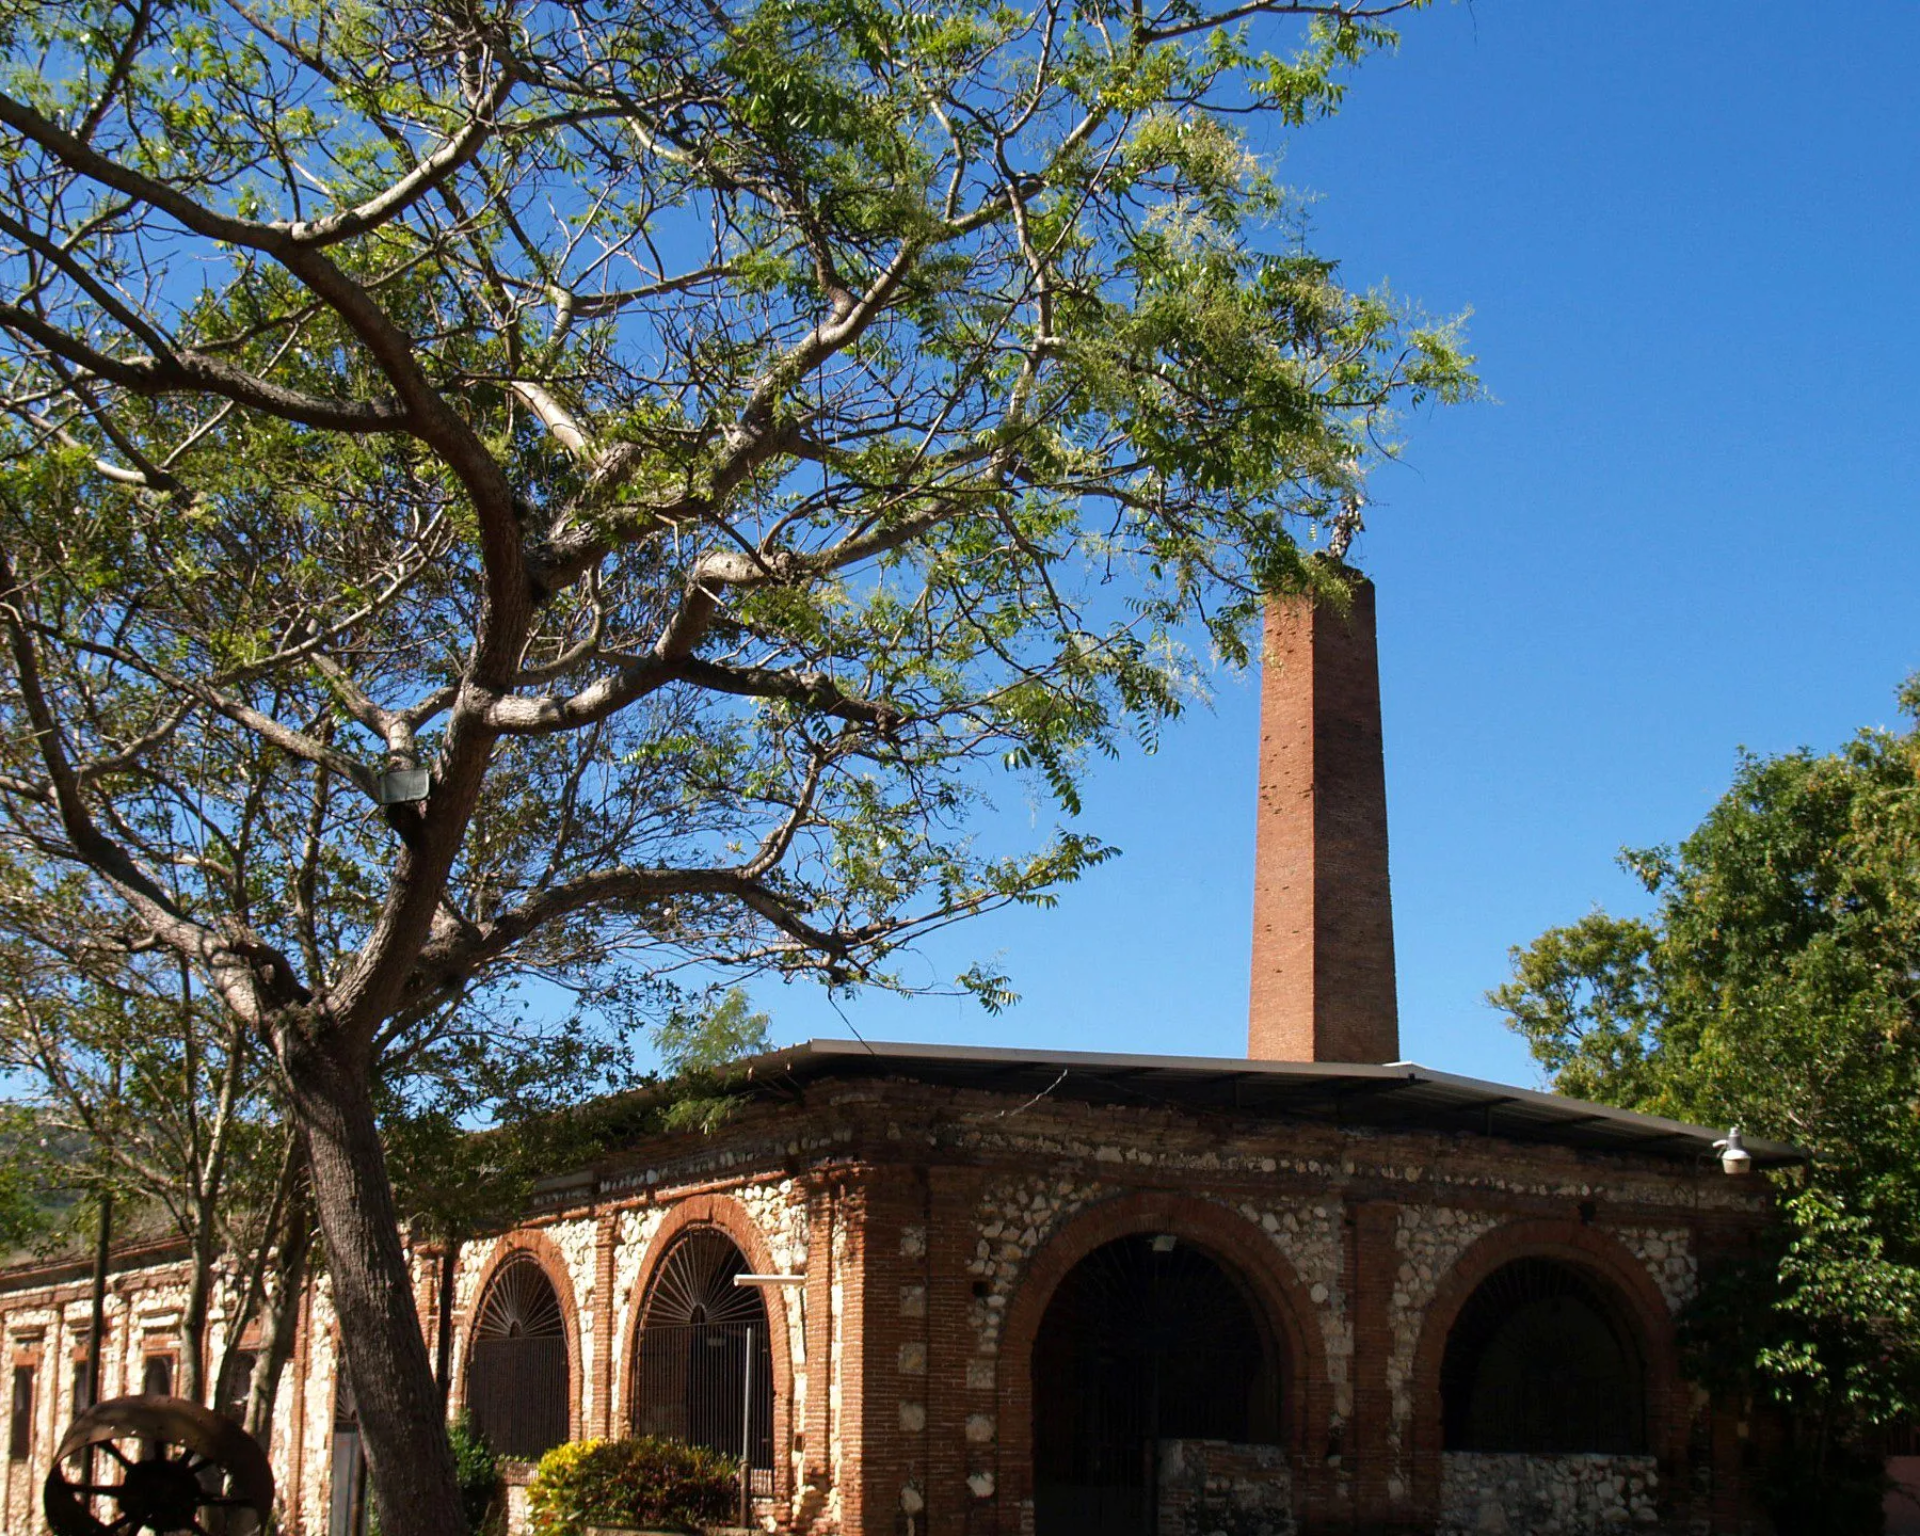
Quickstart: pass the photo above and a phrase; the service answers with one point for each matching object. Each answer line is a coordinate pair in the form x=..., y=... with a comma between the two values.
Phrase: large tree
x=701, y=439
x=1775, y=985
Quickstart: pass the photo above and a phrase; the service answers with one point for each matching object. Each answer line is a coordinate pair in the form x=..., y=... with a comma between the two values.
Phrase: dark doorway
x=1147, y=1339
x=705, y=1368
x=347, y=1501
x=1542, y=1362
x=519, y=1385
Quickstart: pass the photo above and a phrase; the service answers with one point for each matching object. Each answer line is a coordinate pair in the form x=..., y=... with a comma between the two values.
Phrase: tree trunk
x=402, y=1424
x=97, y=1305
x=208, y=1183
x=282, y=1321
x=193, y=1322
x=268, y=1251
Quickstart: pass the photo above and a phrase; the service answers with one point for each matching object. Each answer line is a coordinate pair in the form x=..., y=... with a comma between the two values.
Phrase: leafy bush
x=478, y=1470
x=644, y=1483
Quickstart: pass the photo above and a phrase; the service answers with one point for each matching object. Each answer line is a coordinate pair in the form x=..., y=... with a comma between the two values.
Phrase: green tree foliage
x=594, y=492
x=1776, y=987
x=24, y=1183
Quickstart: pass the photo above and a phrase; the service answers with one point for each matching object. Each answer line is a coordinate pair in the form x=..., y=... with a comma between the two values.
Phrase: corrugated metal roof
x=1400, y=1095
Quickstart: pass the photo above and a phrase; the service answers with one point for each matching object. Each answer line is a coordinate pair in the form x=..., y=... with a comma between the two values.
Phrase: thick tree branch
x=187, y=372
x=642, y=675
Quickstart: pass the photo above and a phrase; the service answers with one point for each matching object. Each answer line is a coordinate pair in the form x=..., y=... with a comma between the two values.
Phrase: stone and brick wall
x=931, y=1226
x=1489, y=1495
x=1213, y=1488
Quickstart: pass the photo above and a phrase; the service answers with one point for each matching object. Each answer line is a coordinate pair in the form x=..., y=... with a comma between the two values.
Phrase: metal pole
x=746, y=1434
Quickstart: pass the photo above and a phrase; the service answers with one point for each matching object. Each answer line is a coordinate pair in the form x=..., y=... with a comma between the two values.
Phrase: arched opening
x=704, y=1372
x=348, y=1503
x=519, y=1385
x=1147, y=1339
x=1541, y=1360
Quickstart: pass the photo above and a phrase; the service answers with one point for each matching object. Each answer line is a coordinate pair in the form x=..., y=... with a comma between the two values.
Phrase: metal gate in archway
x=519, y=1382
x=705, y=1368
x=1147, y=1339
x=1543, y=1360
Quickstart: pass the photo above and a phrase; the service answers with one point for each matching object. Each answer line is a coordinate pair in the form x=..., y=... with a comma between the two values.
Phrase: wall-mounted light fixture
x=402, y=786
x=1734, y=1157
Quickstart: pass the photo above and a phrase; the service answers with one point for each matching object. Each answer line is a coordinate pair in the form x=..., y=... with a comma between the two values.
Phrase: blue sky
x=1688, y=523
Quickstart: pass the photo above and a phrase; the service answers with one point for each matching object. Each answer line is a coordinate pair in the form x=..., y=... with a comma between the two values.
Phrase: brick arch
x=1280, y=1304
x=1601, y=1257
x=734, y=1221
x=542, y=1249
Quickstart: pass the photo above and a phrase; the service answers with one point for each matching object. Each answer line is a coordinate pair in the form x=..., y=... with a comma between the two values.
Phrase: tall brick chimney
x=1322, y=912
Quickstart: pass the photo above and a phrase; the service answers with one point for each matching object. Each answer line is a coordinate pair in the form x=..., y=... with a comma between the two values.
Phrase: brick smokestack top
x=1322, y=913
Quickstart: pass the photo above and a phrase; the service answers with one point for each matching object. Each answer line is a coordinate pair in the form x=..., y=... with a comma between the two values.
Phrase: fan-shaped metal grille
x=695, y=1284
x=521, y=1304
x=705, y=1370
x=519, y=1384
x=1540, y=1361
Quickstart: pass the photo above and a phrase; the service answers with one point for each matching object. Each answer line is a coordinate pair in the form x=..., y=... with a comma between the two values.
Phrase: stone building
x=1035, y=1293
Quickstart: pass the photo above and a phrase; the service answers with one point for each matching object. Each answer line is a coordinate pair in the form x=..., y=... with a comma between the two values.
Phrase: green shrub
x=478, y=1470
x=645, y=1483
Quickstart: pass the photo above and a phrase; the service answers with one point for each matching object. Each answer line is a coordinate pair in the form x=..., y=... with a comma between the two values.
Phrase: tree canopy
x=1776, y=986
x=593, y=492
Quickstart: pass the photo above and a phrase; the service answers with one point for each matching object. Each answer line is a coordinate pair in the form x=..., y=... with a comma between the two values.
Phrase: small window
x=20, y=1431
x=82, y=1399
x=156, y=1380
x=235, y=1406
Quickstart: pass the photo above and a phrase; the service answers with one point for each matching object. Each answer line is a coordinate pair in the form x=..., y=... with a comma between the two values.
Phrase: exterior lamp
x=402, y=786
x=1734, y=1157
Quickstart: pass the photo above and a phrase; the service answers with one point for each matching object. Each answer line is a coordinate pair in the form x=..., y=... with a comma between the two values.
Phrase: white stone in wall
x=779, y=1211
x=1013, y=1220
x=469, y=1272
x=1309, y=1235
x=1667, y=1253
x=315, y=1407
x=1494, y=1495
x=1428, y=1240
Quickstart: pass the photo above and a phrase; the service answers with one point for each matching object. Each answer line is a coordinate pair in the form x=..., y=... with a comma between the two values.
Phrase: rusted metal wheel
x=157, y=1464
